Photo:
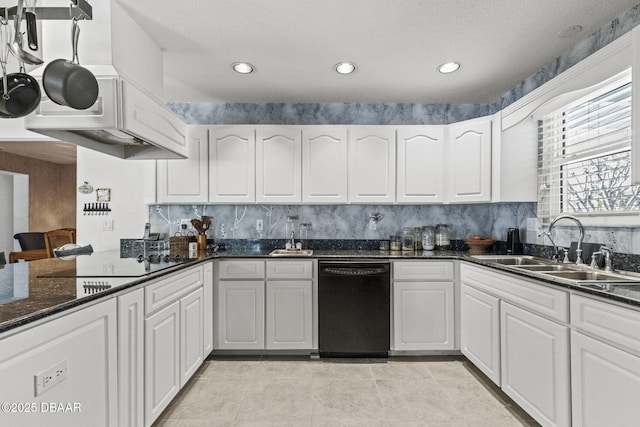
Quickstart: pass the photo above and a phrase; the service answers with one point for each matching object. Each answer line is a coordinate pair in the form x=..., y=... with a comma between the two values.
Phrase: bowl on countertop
x=478, y=246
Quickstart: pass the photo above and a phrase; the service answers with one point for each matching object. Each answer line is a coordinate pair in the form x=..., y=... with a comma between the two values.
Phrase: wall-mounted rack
x=79, y=9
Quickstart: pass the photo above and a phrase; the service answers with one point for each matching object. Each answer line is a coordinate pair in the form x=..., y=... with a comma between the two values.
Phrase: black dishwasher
x=354, y=308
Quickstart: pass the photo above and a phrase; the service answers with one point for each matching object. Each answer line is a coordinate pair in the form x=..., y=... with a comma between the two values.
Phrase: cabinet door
x=278, y=165
x=240, y=314
x=207, y=294
x=605, y=384
x=324, y=165
x=162, y=360
x=142, y=115
x=186, y=180
x=420, y=173
x=469, y=161
x=289, y=315
x=191, y=334
x=480, y=330
x=535, y=364
x=131, y=359
x=232, y=164
x=423, y=316
x=372, y=165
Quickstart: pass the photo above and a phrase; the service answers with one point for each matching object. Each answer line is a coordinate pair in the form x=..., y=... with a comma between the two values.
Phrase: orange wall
x=52, y=191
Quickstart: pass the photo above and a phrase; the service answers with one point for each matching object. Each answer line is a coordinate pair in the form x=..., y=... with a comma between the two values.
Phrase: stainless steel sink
x=586, y=275
x=546, y=267
x=291, y=252
x=512, y=259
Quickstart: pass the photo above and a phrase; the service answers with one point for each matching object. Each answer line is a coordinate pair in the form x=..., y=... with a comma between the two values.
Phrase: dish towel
x=82, y=250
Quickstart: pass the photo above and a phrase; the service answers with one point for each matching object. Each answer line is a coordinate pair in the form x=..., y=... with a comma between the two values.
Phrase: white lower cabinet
x=162, y=360
x=605, y=363
x=535, y=364
x=289, y=307
x=268, y=305
x=80, y=349
x=480, y=330
x=240, y=315
x=131, y=359
x=527, y=353
x=423, y=306
x=174, y=337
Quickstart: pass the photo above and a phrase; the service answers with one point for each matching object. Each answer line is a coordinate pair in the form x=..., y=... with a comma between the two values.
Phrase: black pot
x=20, y=97
x=70, y=84
x=67, y=82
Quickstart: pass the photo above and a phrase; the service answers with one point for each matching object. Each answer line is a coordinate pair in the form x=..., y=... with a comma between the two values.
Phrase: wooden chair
x=56, y=238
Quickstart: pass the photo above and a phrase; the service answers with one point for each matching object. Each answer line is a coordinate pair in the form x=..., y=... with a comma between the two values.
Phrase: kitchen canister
x=394, y=243
x=407, y=239
x=428, y=238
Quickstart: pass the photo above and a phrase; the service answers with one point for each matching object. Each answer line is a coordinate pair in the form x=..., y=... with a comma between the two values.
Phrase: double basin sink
x=581, y=275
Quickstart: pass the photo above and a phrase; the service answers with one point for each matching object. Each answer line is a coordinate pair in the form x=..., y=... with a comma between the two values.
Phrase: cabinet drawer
x=618, y=325
x=290, y=269
x=171, y=288
x=249, y=269
x=423, y=270
x=529, y=294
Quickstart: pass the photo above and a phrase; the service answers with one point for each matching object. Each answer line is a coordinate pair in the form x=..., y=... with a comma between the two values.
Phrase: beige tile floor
x=406, y=392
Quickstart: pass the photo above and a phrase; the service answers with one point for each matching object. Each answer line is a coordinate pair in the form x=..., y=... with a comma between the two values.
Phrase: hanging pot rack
x=79, y=9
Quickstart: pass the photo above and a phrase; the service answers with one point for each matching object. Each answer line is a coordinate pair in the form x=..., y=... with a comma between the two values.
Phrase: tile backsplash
x=352, y=222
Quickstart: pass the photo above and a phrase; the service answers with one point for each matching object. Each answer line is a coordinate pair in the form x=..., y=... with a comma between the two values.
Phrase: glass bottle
x=443, y=237
x=304, y=234
x=394, y=243
x=407, y=239
x=417, y=238
x=428, y=238
x=290, y=230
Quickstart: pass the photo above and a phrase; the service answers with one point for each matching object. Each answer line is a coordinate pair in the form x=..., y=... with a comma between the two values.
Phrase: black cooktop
x=109, y=264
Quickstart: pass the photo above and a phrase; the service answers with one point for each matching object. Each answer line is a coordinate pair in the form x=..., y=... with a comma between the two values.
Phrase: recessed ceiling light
x=569, y=32
x=345, y=67
x=243, y=67
x=449, y=67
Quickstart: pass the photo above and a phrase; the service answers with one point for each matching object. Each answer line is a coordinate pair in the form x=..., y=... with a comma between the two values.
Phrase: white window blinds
x=584, y=156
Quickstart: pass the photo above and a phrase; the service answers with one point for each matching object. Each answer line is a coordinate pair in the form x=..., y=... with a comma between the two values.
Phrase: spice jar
x=394, y=243
x=407, y=239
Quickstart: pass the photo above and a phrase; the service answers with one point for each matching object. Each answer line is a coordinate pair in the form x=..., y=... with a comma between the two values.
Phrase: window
x=584, y=156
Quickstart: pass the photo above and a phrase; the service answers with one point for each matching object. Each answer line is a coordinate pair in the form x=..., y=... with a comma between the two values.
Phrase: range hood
x=124, y=122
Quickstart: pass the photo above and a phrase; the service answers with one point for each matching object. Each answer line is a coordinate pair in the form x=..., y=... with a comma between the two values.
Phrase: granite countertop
x=26, y=296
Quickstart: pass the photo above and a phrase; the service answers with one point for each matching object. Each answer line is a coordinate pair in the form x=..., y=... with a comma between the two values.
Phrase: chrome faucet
x=607, y=252
x=580, y=239
x=293, y=240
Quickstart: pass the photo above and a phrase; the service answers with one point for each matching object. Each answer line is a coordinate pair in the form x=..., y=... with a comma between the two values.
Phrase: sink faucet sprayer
x=580, y=239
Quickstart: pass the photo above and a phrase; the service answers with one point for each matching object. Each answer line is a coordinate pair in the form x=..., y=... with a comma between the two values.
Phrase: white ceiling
x=396, y=44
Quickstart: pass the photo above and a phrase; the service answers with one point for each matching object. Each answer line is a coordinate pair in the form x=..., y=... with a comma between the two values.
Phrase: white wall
x=129, y=213
x=6, y=214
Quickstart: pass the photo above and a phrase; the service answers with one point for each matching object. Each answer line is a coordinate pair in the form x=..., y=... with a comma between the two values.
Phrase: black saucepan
x=20, y=95
x=19, y=92
x=67, y=82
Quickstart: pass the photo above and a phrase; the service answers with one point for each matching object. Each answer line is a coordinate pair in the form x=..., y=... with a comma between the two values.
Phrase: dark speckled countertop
x=26, y=296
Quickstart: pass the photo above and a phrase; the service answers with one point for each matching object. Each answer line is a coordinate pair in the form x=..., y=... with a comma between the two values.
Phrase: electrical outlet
x=46, y=379
x=259, y=225
x=185, y=222
x=107, y=225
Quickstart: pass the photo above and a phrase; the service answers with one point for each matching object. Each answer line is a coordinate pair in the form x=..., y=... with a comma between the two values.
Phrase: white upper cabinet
x=420, y=174
x=232, y=165
x=324, y=165
x=278, y=165
x=469, y=161
x=186, y=180
x=372, y=165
